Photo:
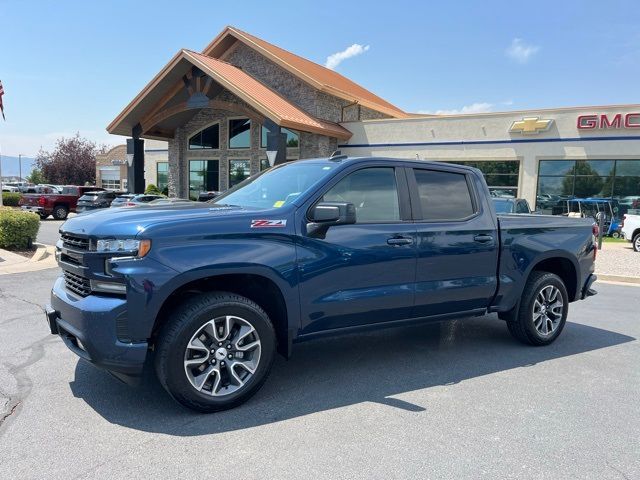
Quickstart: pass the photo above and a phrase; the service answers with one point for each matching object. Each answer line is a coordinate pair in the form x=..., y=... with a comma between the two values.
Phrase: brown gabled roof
x=263, y=99
x=318, y=76
x=260, y=97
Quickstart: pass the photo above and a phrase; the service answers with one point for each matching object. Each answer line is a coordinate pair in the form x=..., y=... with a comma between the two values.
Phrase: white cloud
x=478, y=107
x=337, y=58
x=520, y=51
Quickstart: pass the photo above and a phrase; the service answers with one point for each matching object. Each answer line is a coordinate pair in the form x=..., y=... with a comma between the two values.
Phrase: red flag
x=1, y=94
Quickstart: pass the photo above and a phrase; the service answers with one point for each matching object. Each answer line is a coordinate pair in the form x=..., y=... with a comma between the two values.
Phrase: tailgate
x=30, y=200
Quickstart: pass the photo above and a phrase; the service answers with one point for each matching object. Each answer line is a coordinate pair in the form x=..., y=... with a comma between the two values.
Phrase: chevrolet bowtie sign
x=530, y=125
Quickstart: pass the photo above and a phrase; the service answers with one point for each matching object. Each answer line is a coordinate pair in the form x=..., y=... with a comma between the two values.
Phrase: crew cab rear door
x=365, y=272
x=457, y=240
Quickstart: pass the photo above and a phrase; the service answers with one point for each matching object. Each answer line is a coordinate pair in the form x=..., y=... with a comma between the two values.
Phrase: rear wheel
x=636, y=242
x=43, y=216
x=215, y=351
x=543, y=310
x=60, y=212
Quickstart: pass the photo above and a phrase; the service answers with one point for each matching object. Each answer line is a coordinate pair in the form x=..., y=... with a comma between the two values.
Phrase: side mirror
x=327, y=214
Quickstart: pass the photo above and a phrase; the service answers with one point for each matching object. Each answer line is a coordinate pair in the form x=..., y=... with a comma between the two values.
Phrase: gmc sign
x=604, y=121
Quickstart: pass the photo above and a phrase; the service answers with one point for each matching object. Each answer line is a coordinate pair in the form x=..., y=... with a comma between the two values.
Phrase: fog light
x=108, y=287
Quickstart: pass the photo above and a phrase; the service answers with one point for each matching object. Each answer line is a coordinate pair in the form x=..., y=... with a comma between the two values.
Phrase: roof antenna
x=337, y=155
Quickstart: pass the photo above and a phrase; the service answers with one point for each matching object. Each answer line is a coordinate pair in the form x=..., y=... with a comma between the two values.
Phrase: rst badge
x=268, y=223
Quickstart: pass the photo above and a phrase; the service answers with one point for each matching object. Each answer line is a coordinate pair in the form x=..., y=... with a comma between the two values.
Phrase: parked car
x=95, y=200
x=510, y=205
x=631, y=229
x=169, y=201
x=10, y=188
x=141, y=199
x=306, y=249
x=57, y=204
x=121, y=199
x=206, y=196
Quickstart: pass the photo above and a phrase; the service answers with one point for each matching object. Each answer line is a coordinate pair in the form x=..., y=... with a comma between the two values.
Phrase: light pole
x=20, y=166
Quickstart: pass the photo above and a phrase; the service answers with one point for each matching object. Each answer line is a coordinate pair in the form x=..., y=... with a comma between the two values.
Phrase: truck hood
x=129, y=221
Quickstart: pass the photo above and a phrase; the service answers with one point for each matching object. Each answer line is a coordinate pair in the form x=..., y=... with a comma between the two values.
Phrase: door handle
x=483, y=238
x=396, y=241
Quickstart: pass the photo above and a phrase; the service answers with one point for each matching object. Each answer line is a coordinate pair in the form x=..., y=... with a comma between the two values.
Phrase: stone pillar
x=178, y=172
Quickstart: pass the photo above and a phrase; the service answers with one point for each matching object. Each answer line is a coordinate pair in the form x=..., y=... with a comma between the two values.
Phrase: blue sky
x=71, y=66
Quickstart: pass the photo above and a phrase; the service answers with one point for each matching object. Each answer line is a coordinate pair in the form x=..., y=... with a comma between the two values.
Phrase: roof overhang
x=160, y=100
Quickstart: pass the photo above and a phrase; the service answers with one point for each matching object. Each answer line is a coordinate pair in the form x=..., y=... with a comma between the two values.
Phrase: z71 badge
x=268, y=223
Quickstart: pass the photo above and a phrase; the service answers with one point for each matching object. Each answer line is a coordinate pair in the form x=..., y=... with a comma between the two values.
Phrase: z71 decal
x=268, y=223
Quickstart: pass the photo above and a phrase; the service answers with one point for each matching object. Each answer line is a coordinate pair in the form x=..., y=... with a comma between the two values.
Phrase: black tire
x=43, y=216
x=522, y=325
x=636, y=242
x=182, y=325
x=60, y=212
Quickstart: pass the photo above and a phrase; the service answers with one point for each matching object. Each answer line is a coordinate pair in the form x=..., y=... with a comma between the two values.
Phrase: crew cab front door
x=457, y=241
x=361, y=273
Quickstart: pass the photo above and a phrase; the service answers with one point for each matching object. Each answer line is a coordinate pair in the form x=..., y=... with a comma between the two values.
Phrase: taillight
x=129, y=204
x=42, y=201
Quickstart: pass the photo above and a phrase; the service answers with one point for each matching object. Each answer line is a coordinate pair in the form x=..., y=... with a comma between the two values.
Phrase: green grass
x=613, y=240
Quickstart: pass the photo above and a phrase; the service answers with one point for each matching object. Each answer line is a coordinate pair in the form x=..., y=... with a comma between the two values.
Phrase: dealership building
x=242, y=104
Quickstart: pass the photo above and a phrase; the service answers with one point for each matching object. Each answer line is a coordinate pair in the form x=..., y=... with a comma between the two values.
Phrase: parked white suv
x=631, y=230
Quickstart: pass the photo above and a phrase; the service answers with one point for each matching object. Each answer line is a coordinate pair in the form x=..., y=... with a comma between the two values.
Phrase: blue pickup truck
x=211, y=292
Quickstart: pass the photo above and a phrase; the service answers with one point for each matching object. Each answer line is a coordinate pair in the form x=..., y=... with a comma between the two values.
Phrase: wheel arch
x=562, y=266
x=259, y=288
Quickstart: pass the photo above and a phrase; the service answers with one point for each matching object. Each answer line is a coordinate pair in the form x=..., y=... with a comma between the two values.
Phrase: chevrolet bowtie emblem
x=530, y=125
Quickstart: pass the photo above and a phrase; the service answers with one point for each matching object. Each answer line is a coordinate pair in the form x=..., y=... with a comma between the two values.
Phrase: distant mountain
x=10, y=166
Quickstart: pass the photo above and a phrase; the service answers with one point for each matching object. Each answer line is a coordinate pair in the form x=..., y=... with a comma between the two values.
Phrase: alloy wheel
x=548, y=309
x=222, y=355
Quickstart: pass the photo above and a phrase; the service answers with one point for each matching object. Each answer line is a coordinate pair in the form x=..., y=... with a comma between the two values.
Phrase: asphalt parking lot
x=459, y=399
x=48, y=232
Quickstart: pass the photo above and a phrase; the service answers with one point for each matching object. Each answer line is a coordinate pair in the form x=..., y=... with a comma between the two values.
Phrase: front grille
x=77, y=284
x=73, y=241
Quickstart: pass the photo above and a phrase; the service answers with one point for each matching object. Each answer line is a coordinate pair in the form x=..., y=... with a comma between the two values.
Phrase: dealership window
x=240, y=133
x=111, y=184
x=207, y=139
x=501, y=176
x=162, y=175
x=292, y=137
x=203, y=177
x=560, y=180
x=239, y=169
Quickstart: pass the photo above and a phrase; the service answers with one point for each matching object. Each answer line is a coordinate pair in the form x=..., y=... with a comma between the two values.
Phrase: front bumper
x=89, y=327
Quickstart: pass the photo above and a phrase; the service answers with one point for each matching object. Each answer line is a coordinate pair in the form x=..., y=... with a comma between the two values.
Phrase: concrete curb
x=42, y=252
x=43, y=258
x=618, y=279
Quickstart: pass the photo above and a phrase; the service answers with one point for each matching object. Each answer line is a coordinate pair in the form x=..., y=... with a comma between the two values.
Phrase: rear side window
x=372, y=191
x=443, y=195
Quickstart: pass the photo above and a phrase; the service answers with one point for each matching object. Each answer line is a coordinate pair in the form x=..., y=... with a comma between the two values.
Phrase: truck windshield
x=276, y=187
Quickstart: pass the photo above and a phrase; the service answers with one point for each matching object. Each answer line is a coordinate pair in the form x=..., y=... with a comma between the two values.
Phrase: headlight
x=138, y=248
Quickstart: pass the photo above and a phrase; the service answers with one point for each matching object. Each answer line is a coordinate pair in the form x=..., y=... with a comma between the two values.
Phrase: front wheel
x=543, y=310
x=215, y=351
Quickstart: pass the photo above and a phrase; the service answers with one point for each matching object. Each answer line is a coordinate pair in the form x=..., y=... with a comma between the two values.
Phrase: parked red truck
x=57, y=204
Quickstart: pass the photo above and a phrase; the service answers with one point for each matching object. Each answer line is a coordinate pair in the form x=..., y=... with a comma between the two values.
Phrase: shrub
x=18, y=229
x=10, y=199
x=152, y=190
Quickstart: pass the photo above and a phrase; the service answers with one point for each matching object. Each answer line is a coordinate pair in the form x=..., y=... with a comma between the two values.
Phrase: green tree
x=36, y=177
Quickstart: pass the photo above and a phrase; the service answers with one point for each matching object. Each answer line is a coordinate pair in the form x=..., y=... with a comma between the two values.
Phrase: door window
x=373, y=191
x=443, y=195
